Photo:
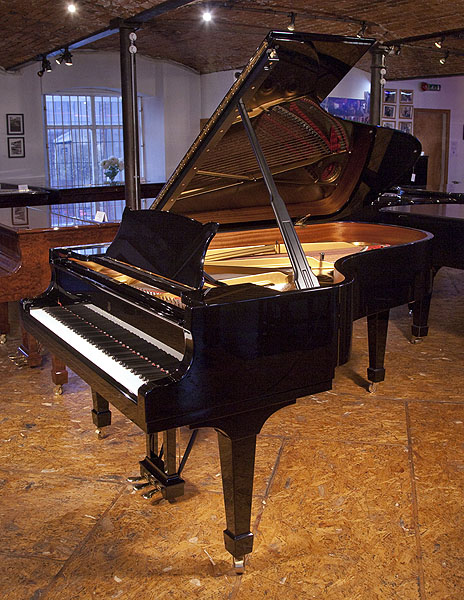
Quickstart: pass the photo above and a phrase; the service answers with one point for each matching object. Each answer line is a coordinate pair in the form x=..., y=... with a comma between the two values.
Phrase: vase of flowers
x=112, y=166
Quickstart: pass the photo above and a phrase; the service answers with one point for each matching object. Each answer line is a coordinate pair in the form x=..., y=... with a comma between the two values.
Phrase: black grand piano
x=181, y=323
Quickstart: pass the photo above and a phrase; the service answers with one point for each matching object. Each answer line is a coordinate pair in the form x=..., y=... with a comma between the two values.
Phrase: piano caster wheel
x=416, y=340
x=239, y=566
x=372, y=387
x=149, y=495
x=100, y=434
x=3, y=338
x=58, y=390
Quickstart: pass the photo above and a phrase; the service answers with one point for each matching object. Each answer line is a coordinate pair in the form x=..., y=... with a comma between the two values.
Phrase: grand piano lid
x=324, y=167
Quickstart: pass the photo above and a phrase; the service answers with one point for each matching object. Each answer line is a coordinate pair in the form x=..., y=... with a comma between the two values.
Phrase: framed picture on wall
x=405, y=111
x=16, y=147
x=389, y=124
x=389, y=96
x=15, y=124
x=405, y=126
x=19, y=216
x=406, y=96
x=389, y=111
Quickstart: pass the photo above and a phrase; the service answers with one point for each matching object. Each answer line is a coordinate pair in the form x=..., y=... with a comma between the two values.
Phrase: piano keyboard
x=126, y=354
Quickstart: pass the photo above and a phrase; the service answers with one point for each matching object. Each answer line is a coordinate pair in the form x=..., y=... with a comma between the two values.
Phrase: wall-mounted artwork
x=406, y=111
x=389, y=124
x=406, y=96
x=16, y=147
x=389, y=111
x=15, y=124
x=19, y=216
x=389, y=96
x=405, y=126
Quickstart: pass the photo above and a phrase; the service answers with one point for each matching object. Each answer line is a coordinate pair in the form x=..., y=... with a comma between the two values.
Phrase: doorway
x=431, y=128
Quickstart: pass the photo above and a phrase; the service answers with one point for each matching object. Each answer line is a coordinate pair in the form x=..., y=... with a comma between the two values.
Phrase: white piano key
x=118, y=372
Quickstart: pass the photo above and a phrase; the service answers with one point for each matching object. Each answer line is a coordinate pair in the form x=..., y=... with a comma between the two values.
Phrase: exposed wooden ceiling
x=32, y=28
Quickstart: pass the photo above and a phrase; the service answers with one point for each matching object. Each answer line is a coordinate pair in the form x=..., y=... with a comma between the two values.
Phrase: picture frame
x=19, y=216
x=406, y=111
x=389, y=124
x=405, y=126
x=389, y=96
x=406, y=96
x=16, y=147
x=15, y=124
x=389, y=111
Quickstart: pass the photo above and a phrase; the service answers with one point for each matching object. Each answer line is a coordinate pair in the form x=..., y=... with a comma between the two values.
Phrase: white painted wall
x=450, y=97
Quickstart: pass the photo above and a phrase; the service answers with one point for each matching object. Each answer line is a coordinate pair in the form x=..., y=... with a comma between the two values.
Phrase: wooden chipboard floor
x=357, y=496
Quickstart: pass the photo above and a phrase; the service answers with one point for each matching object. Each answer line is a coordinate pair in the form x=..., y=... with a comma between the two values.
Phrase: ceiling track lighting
x=291, y=25
x=443, y=59
x=207, y=16
x=45, y=68
x=362, y=31
x=65, y=57
x=439, y=43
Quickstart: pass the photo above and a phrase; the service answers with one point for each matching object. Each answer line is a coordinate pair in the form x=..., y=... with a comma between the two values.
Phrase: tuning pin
x=148, y=495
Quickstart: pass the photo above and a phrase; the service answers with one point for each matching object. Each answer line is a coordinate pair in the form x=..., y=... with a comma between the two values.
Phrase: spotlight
x=46, y=66
x=71, y=8
x=443, y=59
x=65, y=57
x=207, y=16
x=439, y=43
x=362, y=31
x=40, y=73
x=291, y=25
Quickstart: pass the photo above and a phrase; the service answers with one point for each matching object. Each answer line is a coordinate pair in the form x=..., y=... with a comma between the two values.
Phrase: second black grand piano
x=175, y=324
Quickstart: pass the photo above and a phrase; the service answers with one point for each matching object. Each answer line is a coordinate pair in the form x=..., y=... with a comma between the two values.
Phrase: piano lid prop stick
x=304, y=277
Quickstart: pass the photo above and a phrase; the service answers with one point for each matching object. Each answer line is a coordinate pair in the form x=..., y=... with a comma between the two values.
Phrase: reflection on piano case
x=177, y=325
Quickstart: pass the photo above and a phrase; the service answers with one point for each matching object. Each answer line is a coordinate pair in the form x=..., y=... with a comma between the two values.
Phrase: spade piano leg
x=237, y=466
x=377, y=327
x=4, y=325
x=30, y=349
x=420, y=317
x=101, y=414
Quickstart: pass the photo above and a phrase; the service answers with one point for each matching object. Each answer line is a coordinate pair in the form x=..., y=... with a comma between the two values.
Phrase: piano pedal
x=135, y=478
x=2, y=338
x=58, y=390
x=139, y=486
x=18, y=359
x=149, y=495
x=416, y=340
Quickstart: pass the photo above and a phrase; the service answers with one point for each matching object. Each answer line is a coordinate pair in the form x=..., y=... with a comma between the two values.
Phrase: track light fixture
x=291, y=25
x=45, y=68
x=443, y=59
x=207, y=16
x=65, y=57
x=439, y=43
x=362, y=31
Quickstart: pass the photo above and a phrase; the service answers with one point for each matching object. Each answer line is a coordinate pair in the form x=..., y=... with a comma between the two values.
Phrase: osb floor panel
x=357, y=496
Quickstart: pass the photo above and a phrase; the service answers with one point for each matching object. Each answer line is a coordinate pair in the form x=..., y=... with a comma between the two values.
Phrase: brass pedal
x=148, y=495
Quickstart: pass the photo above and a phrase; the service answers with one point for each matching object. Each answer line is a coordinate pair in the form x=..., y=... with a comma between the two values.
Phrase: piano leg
x=30, y=349
x=59, y=374
x=237, y=456
x=377, y=327
x=4, y=324
x=420, y=317
x=101, y=414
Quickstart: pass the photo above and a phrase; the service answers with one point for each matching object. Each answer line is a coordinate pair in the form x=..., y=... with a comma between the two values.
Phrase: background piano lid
x=323, y=166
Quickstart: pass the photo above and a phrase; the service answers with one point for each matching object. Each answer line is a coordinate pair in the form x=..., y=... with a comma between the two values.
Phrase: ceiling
x=32, y=28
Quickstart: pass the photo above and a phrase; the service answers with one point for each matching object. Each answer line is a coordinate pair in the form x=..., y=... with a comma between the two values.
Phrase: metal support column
x=377, y=81
x=130, y=124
